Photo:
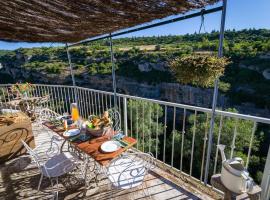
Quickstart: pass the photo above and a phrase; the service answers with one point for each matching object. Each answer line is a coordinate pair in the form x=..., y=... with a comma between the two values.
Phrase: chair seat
x=126, y=173
x=60, y=164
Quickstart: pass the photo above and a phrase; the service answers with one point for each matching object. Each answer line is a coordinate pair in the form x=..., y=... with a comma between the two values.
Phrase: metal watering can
x=234, y=176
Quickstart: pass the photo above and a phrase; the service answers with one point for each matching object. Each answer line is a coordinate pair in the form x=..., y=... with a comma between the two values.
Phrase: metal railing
x=175, y=133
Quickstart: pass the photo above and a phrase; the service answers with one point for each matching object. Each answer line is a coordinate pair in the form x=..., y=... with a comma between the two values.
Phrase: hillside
x=142, y=67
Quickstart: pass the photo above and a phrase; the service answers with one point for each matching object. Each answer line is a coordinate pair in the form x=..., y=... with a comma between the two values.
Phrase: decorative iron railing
x=175, y=133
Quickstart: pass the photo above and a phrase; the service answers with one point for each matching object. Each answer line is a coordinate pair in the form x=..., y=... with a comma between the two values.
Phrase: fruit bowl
x=97, y=132
x=98, y=126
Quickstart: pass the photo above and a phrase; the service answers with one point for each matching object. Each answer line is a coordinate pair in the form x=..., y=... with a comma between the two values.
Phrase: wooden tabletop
x=9, y=119
x=92, y=146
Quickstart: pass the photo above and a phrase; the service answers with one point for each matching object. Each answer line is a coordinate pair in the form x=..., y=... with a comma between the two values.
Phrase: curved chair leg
x=55, y=193
x=57, y=188
x=40, y=180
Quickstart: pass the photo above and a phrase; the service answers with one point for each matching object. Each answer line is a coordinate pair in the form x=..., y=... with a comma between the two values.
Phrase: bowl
x=98, y=132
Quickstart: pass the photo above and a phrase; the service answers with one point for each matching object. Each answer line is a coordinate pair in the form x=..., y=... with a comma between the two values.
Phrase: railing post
x=214, y=104
x=265, y=184
x=125, y=117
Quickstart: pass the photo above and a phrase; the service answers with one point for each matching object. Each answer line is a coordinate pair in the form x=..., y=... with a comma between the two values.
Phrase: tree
x=242, y=128
x=144, y=123
x=157, y=47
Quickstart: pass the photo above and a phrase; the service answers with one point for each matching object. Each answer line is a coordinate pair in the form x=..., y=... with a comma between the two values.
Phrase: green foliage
x=243, y=47
x=230, y=126
x=6, y=78
x=144, y=118
x=157, y=47
x=199, y=70
x=100, y=68
x=198, y=126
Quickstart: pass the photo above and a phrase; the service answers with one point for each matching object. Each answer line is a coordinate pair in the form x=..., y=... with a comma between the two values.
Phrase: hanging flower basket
x=199, y=70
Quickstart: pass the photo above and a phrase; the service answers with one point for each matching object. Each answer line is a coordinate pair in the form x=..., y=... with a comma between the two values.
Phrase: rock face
x=148, y=66
x=265, y=56
x=266, y=74
x=144, y=67
x=171, y=92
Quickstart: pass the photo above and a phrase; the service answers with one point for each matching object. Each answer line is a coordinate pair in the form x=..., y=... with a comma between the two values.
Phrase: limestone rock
x=266, y=74
x=144, y=67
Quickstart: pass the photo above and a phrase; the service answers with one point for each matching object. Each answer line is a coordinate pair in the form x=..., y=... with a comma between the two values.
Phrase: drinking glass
x=74, y=112
x=83, y=131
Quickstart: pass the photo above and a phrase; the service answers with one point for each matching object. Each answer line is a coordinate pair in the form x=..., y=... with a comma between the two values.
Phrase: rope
x=113, y=72
x=202, y=21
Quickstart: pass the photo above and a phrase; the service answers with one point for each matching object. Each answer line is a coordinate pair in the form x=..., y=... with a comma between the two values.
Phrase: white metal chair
x=129, y=171
x=54, y=167
x=46, y=114
x=115, y=116
x=41, y=103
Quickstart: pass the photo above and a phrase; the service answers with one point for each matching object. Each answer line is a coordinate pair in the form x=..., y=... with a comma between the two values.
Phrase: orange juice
x=65, y=125
x=74, y=112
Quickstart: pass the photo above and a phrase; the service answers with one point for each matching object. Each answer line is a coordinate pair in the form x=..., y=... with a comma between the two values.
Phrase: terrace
x=182, y=138
x=173, y=178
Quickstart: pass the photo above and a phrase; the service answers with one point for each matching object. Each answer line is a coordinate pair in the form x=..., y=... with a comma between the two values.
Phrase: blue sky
x=241, y=14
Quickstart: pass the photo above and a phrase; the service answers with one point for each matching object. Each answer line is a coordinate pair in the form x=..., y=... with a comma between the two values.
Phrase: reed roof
x=75, y=20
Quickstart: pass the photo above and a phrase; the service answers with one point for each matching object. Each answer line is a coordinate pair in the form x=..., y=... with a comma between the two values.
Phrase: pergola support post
x=265, y=184
x=72, y=74
x=113, y=72
x=214, y=103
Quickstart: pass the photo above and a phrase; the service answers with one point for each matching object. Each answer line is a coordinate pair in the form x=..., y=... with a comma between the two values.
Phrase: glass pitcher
x=74, y=112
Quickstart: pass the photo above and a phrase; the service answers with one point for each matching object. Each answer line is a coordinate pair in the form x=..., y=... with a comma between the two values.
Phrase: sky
x=241, y=14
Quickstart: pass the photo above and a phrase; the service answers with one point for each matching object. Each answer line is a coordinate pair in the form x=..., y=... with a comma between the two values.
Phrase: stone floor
x=19, y=180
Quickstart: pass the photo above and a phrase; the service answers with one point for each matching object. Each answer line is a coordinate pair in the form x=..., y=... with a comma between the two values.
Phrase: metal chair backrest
x=34, y=156
x=47, y=114
x=115, y=116
x=44, y=99
x=135, y=164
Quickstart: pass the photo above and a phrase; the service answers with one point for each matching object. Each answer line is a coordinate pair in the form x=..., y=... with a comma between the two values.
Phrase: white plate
x=110, y=146
x=59, y=118
x=71, y=132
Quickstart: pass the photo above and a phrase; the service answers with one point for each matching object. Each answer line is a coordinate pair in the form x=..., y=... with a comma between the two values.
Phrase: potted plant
x=22, y=89
x=199, y=70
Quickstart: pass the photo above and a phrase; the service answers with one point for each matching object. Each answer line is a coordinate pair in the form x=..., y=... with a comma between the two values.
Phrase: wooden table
x=14, y=128
x=92, y=146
